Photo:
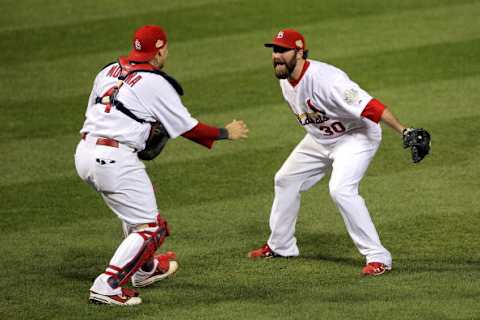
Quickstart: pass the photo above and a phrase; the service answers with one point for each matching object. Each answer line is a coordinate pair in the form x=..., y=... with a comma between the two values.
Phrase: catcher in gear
x=133, y=110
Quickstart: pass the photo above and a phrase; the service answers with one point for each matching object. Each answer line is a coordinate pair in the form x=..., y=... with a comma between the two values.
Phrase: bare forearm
x=392, y=121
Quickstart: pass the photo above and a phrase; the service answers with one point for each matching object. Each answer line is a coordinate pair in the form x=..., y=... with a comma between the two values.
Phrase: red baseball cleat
x=129, y=297
x=166, y=267
x=263, y=252
x=375, y=269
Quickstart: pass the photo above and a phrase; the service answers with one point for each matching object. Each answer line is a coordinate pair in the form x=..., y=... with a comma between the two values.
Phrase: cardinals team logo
x=280, y=35
x=138, y=45
x=318, y=116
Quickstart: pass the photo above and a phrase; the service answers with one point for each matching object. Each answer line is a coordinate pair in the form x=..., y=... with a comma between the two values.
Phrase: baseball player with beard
x=127, y=99
x=341, y=121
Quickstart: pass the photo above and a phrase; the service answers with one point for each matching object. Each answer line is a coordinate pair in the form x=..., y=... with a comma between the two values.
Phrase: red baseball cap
x=146, y=42
x=288, y=38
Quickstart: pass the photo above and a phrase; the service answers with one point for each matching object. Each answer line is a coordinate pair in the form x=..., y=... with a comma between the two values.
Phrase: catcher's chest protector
x=127, y=71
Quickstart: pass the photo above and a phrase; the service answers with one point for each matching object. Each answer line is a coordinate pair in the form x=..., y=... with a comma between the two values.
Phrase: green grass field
x=421, y=58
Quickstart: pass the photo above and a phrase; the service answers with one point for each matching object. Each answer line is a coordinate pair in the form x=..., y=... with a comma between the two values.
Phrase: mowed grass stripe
x=328, y=280
x=332, y=282
x=35, y=167
x=435, y=97
x=177, y=184
x=331, y=39
x=175, y=192
x=372, y=71
x=242, y=53
x=226, y=91
x=246, y=222
x=445, y=97
x=232, y=14
x=252, y=211
x=25, y=15
x=267, y=122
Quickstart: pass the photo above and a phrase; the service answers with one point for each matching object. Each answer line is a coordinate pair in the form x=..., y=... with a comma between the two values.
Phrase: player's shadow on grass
x=328, y=247
x=436, y=265
x=82, y=264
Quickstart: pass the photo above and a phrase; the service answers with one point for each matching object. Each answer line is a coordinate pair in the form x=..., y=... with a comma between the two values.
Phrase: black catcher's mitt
x=156, y=141
x=418, y=140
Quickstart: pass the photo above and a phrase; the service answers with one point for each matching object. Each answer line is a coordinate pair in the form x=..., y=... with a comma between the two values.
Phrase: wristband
x=223, y=134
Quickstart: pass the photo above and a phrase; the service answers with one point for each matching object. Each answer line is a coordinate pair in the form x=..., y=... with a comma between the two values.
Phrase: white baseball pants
x=120, y=177
x=349, y=158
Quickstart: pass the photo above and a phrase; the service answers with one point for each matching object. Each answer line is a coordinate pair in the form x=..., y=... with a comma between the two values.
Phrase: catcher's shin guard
x=152, y=240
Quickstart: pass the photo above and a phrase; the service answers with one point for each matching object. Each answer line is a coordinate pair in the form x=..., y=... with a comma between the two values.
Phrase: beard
x=283, y=69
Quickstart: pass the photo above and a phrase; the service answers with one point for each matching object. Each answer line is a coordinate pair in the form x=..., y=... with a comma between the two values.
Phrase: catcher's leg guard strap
x=152, y=240
x=164, y=230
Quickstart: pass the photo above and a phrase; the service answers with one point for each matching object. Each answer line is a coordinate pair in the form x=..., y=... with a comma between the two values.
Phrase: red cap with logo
x=146, y=42
x=288, y=38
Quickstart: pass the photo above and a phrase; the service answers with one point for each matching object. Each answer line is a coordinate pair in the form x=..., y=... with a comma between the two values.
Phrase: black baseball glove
x=156, y=141
x=418, y=140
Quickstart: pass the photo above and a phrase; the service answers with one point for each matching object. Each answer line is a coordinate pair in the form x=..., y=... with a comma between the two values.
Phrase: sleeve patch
x=351, y=96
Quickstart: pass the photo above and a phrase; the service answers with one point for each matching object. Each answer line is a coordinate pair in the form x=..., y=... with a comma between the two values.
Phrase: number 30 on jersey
x=335, y=127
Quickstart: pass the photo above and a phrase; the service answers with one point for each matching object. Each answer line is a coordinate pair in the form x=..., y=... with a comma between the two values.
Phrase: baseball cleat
x=166, y=267
x=263, y=252
x=375, y=269
x=129, y=297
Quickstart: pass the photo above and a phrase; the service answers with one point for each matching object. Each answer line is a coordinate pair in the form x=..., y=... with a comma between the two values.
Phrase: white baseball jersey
x=329, y=106
x=327, y=103
x=149, y=96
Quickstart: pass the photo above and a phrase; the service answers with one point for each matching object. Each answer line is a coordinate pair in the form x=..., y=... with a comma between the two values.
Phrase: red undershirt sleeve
x=203, y=134
x=373, y=110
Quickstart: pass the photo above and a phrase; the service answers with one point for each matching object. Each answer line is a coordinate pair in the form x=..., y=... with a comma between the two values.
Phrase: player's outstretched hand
x=237, y=129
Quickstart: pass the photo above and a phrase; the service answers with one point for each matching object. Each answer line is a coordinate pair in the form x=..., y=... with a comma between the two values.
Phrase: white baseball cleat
x=166, y=267
x=129, y=297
